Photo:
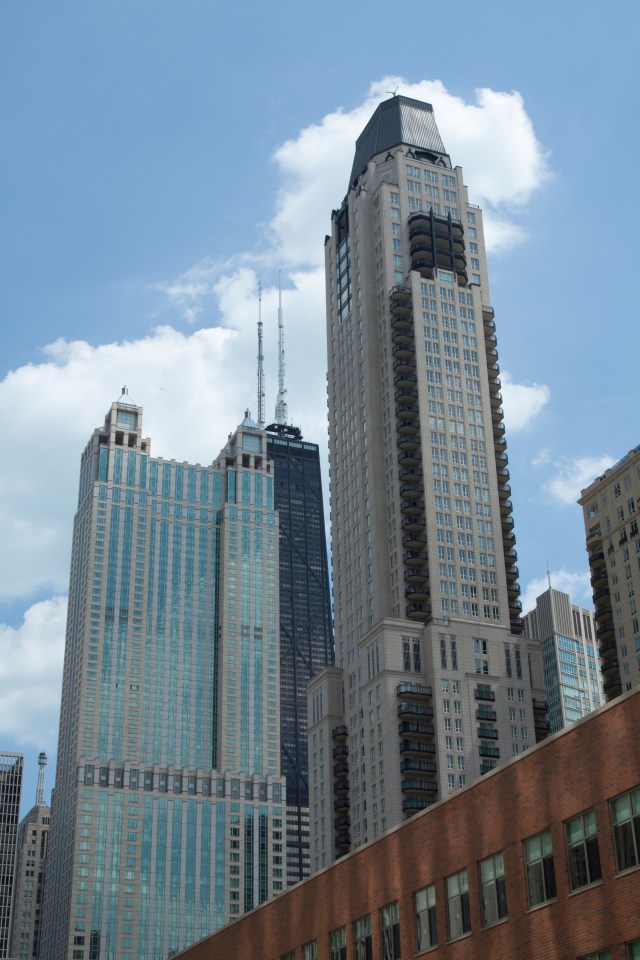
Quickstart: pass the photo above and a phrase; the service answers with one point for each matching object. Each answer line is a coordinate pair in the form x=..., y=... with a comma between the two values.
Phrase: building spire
x=260, y=362
x=281, y=402
x=42, y=762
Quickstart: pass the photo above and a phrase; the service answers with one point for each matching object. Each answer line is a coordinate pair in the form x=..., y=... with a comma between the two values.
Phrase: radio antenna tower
x=281, y=402
x=260, y=362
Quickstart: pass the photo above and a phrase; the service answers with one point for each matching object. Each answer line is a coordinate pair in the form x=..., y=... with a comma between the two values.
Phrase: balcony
x=406, y=395
x=400, y=294
x=614, y=683
x=412, y=491
x=341, y=803
x=486, y=713
x=594, y=537
x=540, y=706
x=401, y=318
x=414, y=540
x=601, y=577
x=482, y=692
x=403, y=351
x=597, y=559
x=412, y=805
x=414, y=710
x=408, y=429
x=342, y=822
x=610, y=666
x=408, y=444
x=402, y=335
x=340, y=751
x=416, y=729
x=340, y=770
x=608, y=649
x=341, y=789
x=488, y=732
x=410, y=457
x=343, y=840
x=402, y=380
x=606, y=631
x=412, y=508
x=416, y=747
x=489, y=750
x=415, y=575
x=416, y=594
x=414, y=691
x=418, y=784
x=415, y=557
x=404, y=365
x=603, y=613
x=487, y=766
x=407, y=411
x=410, y=474
x=418, y=611
x=418, y=765
x=341, y=732
x=542, y=726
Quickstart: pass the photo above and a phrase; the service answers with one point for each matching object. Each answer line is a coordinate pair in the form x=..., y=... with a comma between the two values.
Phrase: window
x=426, y=930
x=458, y=915
x=390, y=932
x=362, y=938
x=541, y=878
x=310, y=951
x=625, y=814
x=338, y=944
x=600, y=955
x=633, y=950
x=582, y=850
x=493, y=892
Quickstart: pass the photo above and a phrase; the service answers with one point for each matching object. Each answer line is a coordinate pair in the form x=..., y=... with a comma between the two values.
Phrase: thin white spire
x=281, y=402
x=260, y=362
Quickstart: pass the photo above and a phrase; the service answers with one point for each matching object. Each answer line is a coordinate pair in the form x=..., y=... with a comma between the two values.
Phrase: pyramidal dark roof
x=398, y=120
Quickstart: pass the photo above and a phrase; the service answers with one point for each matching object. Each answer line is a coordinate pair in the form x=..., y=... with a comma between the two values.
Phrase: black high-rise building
x=306, y=635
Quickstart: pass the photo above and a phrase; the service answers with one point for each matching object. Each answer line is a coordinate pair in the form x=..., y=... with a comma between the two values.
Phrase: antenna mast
x=281, y=402
x=260, y=362
x=42, y=762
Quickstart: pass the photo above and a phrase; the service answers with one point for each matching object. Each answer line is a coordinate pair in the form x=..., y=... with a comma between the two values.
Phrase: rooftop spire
x=42, y=762
x=281, y=402
x=260, y=362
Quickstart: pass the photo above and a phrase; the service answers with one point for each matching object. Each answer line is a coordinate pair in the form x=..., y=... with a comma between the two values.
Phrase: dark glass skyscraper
x=306, y=637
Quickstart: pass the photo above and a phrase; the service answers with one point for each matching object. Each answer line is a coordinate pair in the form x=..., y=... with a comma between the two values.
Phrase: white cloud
x=522, y=403
x=30, y=675
x=573, y=475
x=577, y=585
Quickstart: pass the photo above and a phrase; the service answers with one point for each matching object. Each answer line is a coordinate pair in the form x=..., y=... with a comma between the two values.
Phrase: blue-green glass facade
x=168, y=814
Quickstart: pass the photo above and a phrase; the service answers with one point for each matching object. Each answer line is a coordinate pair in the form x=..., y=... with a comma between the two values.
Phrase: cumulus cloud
x=492, y=139
x=576, y=584
x=572, y=475
x=30, y=675
x=522, y=403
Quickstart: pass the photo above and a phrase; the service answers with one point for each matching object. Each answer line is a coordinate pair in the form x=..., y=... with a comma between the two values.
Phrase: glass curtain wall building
x=168, y=811
x=306, y=640
x=11, y=768
x=425, y=578
x=572, y=672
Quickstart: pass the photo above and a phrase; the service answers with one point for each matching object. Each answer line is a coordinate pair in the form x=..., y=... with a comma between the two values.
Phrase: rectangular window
x=493, y=892
x=390, y=932
x=338, y=944
x=362, y=938
x=625, y=814
x=541, y=878
x=426, y=930
x=458, y=914
x=310, y=951
x=582, y=850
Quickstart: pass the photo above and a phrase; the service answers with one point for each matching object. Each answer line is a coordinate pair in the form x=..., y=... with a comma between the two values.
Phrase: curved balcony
x=406, y=395
x=400, y=293
x=601, y=577
x=341, y=803
x=506, y=506
x=406, y=380
x=340, y=790
x=407, y=411
x=615, y=683
x=341, y=732
x=420, y=612
x=608, y=649
x=594, y=538
x=610, y=666
x=418, y=785
x=605, y=631
x=342, y=750
x=340, y=769
x=415, y=575
x=402, y=310
x=416, y=593
x=415, y=557
x=407, y=458
x=603, y=613
x=403, y=351
x=412, y=508
x=404, y=365
x=513, y=588
x=413, y=525
x=412, y=491
x=414, y=691
x=414, y=540
x=496, y=400
x=418, y=765
x=410, y=475
x=341, y=822
x=408, y=444
x=414, y=710
x=401, y=334
x=597, y=559
x=408, y=427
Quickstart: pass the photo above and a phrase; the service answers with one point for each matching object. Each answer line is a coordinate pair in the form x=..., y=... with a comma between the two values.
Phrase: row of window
x=584, y=869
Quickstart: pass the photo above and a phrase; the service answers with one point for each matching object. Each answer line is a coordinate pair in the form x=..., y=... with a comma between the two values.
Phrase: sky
x=161, y=159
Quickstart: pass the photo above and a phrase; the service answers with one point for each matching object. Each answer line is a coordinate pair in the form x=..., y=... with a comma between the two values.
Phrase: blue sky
x=158, y=159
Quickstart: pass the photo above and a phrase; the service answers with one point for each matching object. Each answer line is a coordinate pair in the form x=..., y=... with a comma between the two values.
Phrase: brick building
x=540, y=858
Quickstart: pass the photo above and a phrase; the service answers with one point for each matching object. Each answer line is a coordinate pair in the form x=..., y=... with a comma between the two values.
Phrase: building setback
x=11, y=767
x=539, y=859
x=31, y=859
x=571, y=662
x=610, y=506
x=306, y=639
x=425, y=578
x=168, y=812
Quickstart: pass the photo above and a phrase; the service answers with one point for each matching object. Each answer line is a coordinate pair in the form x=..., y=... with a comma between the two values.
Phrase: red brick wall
x=577, y=770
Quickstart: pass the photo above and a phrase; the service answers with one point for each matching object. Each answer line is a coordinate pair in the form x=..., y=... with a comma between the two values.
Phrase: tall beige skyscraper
x=611, y=505
x=426, y=594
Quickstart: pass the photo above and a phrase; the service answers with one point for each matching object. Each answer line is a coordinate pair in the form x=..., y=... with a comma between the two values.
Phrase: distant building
x=306, y=637
x=33, y=839
x=611, y=507
x=427, y=615
x=541, y=858
x=571, y=662
x=11, y=768
x=168, y=814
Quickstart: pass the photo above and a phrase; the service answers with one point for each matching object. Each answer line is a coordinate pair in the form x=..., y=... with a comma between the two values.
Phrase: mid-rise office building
x=611, y=505
x=571, y=662
x=31, y=861
x=425, y=580
x=306, y=639
x=168, y=813
x=11, y=767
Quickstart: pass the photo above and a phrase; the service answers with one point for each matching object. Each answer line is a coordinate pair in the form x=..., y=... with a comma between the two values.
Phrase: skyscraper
x=567, y=635
x=168, y=810
x=306, y=641
x=610, y=506
x=426, y=595
x=11, y=766
x=31, y=857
